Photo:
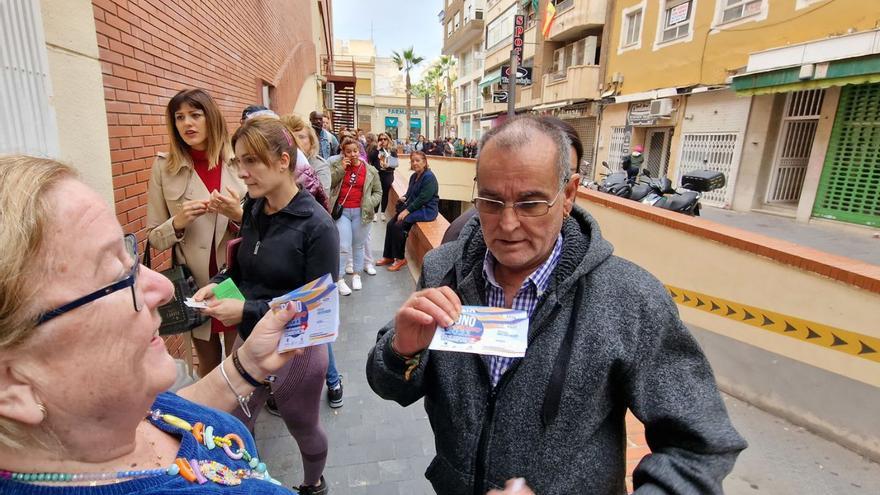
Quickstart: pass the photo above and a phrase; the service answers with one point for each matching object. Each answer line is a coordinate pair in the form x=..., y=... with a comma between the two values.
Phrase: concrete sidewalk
x=842, y=240
x=379, y=447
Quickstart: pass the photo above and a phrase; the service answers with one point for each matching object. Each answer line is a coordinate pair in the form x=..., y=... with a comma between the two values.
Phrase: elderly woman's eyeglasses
x=126, y=282
x=537, y=208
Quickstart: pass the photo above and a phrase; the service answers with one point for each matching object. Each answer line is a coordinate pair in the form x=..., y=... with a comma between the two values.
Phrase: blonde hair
x=268, y=138
x=294, y=124
x=25, y=184
x=217, y=149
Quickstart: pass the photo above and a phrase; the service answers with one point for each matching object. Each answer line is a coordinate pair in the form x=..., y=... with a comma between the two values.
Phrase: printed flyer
x=485, y=330
x=317, y=318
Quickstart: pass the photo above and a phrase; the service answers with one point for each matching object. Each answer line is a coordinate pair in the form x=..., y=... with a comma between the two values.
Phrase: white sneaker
x=349, y=269
x=376, y=217
x=370, y=269
x=356, y=282
x=343, y=287
x=383, y=216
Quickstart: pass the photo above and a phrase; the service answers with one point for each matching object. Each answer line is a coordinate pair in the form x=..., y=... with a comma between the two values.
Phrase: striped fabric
x=525, y=300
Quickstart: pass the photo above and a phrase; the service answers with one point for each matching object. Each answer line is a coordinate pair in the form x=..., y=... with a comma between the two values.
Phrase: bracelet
x=242, y=401
x=412, y=362
x=241, y=371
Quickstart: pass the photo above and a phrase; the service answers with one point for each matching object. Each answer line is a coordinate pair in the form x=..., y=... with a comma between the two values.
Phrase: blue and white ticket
x=317, y=317
x=485, y=330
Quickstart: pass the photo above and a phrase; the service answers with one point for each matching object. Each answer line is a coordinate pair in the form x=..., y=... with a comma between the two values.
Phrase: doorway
x=657, y=144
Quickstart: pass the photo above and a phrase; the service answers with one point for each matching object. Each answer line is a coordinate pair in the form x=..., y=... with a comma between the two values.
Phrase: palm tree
x=446, y=66
x=407, y=62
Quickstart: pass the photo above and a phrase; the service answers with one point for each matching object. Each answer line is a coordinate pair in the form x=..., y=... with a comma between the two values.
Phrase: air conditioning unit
x=661, y=107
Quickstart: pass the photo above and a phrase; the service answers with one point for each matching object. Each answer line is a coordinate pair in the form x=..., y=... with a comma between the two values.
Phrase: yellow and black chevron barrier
x=836, y=339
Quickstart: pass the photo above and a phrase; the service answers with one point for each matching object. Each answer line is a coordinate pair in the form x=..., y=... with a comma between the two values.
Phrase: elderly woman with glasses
x=83, y=371
x=384, y=158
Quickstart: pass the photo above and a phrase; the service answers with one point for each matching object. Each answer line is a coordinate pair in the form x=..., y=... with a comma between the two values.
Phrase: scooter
x=659, y=191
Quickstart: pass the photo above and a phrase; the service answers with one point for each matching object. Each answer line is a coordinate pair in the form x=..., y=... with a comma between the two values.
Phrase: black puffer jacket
x=299, y=244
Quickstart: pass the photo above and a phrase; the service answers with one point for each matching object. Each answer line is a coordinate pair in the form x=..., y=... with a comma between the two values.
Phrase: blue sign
x=415, y=123
x=390, y=121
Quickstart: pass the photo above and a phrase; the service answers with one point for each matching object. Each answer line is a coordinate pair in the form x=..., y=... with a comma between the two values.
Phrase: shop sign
x=401, y=111
x=575, y=112
x=390, y=121
x=519, y=29
x=639, y=114
x=523, y=75
x=499, y=97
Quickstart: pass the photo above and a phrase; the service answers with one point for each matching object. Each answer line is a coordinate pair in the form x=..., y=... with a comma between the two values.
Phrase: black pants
x=395, y=239
x=386, y=177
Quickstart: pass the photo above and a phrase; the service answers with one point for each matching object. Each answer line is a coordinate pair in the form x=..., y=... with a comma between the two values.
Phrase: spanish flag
x=549, y=17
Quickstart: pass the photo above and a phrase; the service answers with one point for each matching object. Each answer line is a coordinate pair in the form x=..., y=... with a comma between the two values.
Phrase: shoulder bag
x=176, y=316
x=337, y=208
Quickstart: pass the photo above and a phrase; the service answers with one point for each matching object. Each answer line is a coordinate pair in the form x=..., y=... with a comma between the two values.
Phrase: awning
x=490, y=78
x=861, y=70
x=551, y=106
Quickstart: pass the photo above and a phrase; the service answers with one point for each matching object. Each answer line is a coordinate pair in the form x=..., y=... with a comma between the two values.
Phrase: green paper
x=227, y=290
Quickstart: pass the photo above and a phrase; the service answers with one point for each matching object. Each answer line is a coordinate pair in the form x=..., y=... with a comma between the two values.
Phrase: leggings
x=386, y=177
x=297, y=390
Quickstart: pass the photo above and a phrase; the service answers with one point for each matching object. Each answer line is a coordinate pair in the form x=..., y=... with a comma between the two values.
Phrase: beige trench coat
x=166, y=194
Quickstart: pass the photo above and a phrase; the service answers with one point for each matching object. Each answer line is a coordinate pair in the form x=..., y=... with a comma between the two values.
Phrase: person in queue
x=287, y=240
x=193, y=203
x=383, y=157
x=556, y=416
x=307, y=142
x=357, y=189
x=419, y=204
x=327, y=144
x=83, y=370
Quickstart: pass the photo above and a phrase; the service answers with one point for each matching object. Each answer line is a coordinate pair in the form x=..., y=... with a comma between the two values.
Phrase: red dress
x=211, y=179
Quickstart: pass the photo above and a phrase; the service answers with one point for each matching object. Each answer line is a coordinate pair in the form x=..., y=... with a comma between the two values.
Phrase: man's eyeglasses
x=126, y=282
x=536, y=208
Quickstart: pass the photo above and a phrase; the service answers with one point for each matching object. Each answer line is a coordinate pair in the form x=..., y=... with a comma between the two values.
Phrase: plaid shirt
x=533, y=287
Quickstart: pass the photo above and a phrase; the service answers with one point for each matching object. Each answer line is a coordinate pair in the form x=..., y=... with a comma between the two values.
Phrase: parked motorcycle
x=659, y=191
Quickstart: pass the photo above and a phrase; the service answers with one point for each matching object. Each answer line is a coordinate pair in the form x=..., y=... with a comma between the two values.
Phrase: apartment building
x=565, y=64
x=380, y=92
x=780, y=96
x=463, y=39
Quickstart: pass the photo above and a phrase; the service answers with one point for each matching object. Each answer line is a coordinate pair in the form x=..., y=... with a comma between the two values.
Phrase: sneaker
x=334, y=395
x=370, y=269
x=384, y=261
x=383, y=216
x=271, y=407
x=376, y=218
x=356, y=282
x=343, y=287
x=349, y=269
x=321, y=489
x=397, y=265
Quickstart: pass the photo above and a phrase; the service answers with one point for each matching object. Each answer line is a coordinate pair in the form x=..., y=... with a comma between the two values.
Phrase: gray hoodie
x=556, y=417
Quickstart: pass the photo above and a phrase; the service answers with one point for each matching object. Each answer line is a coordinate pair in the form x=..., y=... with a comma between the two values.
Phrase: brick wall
x=151, y=49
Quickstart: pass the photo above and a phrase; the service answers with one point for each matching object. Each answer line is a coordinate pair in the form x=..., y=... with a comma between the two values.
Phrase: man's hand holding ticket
x=485, y=330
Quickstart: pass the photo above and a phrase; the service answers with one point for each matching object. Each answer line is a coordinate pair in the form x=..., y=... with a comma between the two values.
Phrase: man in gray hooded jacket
x=604, y=336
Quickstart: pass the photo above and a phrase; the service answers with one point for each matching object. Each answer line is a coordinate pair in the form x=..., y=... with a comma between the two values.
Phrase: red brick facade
x=150, y=49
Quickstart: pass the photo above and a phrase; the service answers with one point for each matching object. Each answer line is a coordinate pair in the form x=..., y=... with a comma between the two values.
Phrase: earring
x=43, y=410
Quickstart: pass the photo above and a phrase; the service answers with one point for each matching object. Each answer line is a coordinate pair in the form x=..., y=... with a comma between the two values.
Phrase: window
x=733, y=10
x=500, y=29
x=457, y=21
x=465, y=98
x=466, y=63
x=677, y=20
x=562, y=4
x=478, y=98
x=449, y=29
x=632, y=28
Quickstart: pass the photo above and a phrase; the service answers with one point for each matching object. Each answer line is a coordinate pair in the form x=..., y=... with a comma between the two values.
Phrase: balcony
x=470, y=31
x=578, y=82
x=575, y=19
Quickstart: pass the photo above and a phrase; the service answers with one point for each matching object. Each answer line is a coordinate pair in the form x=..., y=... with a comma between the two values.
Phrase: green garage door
x=850, y=186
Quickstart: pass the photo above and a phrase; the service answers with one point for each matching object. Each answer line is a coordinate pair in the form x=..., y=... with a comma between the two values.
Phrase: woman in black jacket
x=287, y=240
x=384, y=157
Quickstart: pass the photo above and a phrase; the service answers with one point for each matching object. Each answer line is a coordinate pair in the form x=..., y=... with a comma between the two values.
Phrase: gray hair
x=519, y=131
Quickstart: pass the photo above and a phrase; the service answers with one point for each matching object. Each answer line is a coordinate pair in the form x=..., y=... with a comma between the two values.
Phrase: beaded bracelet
x=242, y=401
x=241, y=371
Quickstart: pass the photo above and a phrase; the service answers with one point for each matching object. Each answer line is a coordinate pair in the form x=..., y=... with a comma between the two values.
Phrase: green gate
x=849, y=189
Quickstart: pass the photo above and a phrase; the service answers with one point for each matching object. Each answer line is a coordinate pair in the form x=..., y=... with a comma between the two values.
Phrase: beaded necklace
x=192, y=470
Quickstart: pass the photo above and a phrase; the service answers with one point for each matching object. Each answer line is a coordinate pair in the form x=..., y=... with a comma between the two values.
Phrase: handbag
x=337, y=208
x=177, y=317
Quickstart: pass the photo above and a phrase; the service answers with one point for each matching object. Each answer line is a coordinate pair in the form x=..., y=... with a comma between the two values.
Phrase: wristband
x=241, y=371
